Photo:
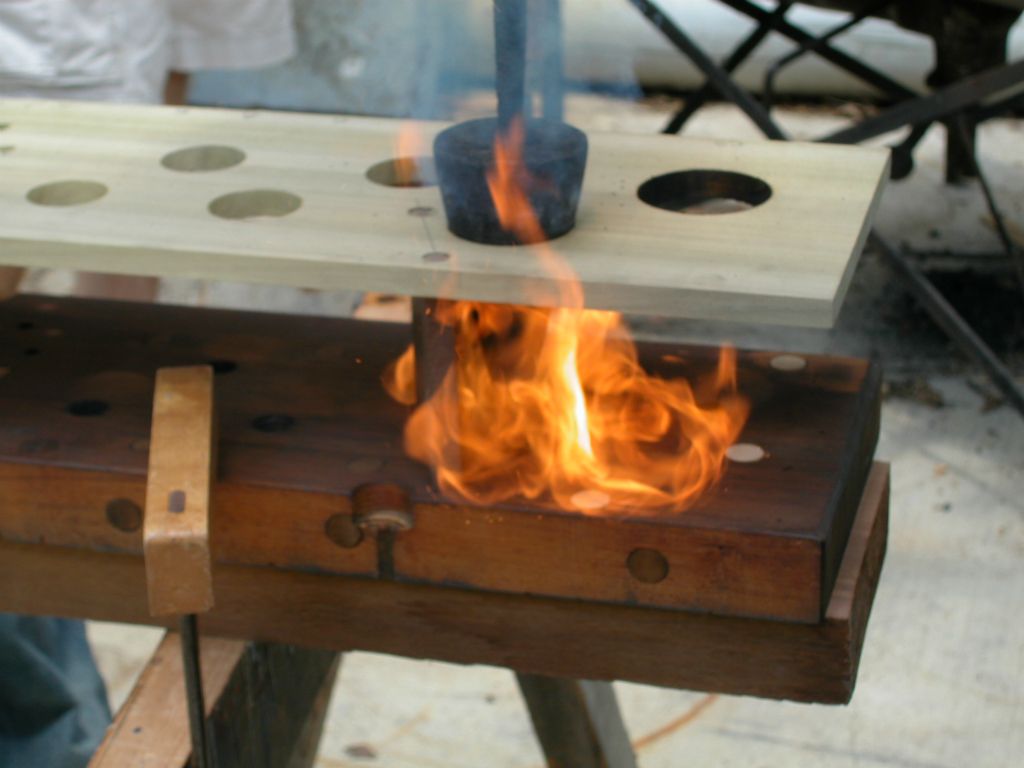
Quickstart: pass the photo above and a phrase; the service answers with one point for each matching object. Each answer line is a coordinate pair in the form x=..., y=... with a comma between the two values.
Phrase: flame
x=553, y=404
x=408, y=149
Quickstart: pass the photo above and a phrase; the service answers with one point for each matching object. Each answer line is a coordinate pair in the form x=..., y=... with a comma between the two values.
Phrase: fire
x=406, y=165
x=553, y=404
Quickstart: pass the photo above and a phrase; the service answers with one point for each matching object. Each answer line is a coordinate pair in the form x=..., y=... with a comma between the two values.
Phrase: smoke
x=424, y=59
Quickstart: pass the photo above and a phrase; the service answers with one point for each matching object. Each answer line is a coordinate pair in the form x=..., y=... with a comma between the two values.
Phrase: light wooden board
x=786, y=261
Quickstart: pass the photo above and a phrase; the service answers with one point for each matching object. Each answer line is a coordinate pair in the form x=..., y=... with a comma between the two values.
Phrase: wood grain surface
x=562, y=638
x=304, y=421
x=179, y=483
x=786, y=261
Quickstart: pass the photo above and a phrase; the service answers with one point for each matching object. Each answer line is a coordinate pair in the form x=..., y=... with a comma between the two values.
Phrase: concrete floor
x=942, y=678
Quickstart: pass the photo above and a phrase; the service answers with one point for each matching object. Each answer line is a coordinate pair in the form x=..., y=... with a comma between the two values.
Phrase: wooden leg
x=10, y=278
x=577, y=722
x=265, y=707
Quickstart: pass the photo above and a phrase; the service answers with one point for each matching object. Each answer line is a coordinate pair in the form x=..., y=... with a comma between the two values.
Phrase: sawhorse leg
x=577, y=722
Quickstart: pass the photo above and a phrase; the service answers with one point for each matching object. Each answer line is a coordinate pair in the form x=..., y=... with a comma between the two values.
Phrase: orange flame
x=553, y=404
x=408, y=151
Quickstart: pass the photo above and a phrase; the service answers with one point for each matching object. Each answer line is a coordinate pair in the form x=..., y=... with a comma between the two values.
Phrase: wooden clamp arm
x=176, y=534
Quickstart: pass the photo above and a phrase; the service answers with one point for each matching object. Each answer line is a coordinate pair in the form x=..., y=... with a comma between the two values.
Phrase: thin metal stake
x=194, y=691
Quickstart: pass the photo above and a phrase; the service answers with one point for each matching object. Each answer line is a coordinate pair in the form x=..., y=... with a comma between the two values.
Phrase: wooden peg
x=176, y=534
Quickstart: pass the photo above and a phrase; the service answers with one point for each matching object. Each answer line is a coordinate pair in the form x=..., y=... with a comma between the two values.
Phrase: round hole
x=66, y=193
x=31, y=352
x=273, y=422
x=6, y=149
x=704, y=192
x=436, y=256
x=788, y=363
x=220, y=367
x=365, y=466
x=26, y=325
x=745, y=453
x=209, y=157
x=343, y=531
x=255, y=203
x=124, y=514
x=407, y=172
x=647, y=565
x=88, y=408
x=590, y=499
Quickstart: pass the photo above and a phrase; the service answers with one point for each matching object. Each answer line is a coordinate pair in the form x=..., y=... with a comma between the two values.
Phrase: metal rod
x=1012, y=250
x=553, y=83
x=964, y=93
x=434, y=343
x=730, y=65
x=950, y=321
x=814, y=45
x=510, y=60
x=194, y=691
x=853, y=66
x=718, y=77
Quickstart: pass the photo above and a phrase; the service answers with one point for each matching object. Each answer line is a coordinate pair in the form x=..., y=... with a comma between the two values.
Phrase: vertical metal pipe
x=553, y=74
x=194, y=691
x=510, y=60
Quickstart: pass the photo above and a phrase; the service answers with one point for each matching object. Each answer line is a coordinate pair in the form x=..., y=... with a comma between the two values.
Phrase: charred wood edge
x=857, y=458
x=578, y=722
x=266, y=707
x=556, y=637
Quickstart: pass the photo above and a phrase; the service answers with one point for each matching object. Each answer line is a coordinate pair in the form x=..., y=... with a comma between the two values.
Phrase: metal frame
x=966, y=102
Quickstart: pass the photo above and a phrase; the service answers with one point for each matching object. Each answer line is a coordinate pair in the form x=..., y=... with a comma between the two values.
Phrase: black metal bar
x=434, y=345
x=510, y=60
x=853, y=66
x=1009, y=246
x=965, y=93
x=553, y=83
x=740, y=54
x=949, y=320
x=718, y=77
x=194, y=691
x=815, y=45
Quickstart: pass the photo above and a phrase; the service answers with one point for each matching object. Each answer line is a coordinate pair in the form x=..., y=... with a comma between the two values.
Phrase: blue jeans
x=53, y=704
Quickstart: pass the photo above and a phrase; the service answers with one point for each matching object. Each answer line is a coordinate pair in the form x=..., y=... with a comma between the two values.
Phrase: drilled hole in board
x=407, y=172
x=255, y=203
x=273, y=422
x=67, y=193
x=210, y=157
x=745, y=453
x=88, y=408
x=706, y=192
x=221, y=367
x=26, y=325
x=31, y=351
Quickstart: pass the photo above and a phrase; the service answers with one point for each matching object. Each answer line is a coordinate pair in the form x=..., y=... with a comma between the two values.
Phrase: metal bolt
x=381, y=507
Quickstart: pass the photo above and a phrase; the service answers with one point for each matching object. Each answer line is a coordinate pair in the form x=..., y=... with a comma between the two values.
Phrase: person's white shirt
x=122, y=50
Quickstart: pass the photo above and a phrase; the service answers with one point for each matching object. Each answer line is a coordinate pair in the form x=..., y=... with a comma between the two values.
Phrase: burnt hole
x=88, y=408
x=704, y=192
x=405, y=172
x=273, y=422
x=176, y=502
x=26, y=325
x=221, y=367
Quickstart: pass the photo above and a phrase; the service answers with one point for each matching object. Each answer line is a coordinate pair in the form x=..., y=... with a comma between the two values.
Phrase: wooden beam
x=304, y=422
x=176, y=533
x=559, y=638
x=292, y=204
x=578, y=722
x=264, y=707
